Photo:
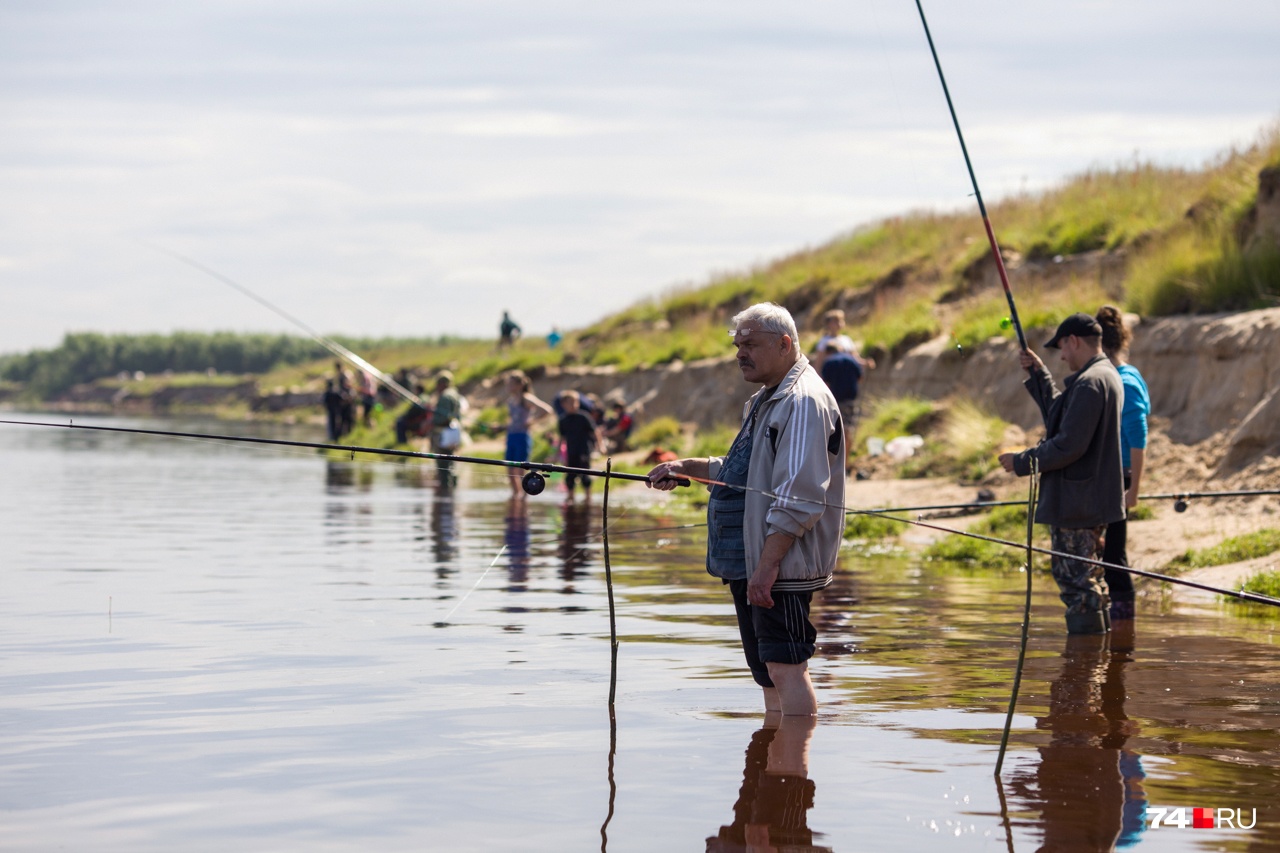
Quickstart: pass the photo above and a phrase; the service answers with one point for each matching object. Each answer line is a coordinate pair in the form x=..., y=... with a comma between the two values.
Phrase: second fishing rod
x=533, y=483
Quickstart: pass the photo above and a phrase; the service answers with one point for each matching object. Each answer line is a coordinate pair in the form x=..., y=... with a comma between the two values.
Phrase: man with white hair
x=776, y=511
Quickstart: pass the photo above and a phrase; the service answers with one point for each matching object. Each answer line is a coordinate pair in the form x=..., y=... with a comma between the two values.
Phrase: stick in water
x=1026, y=614
x=608, y=583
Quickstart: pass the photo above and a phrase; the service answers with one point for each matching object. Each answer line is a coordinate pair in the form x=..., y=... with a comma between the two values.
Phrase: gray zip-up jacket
x=1082, y=479
x=795, y=480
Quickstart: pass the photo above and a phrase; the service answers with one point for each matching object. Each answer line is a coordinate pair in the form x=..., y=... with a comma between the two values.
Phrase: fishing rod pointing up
x=328, y=343
x=973, y=178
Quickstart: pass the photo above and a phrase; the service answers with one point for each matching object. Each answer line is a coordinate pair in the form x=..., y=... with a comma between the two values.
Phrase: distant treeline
x=86, y=356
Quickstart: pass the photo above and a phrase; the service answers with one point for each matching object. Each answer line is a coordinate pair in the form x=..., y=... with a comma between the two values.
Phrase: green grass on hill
x=1175, y=226
x=962, y=438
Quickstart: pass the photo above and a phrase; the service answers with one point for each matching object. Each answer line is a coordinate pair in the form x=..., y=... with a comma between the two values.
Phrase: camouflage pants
x=1080, y=585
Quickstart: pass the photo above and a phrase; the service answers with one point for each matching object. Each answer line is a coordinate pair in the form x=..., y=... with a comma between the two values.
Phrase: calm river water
x=214, y=647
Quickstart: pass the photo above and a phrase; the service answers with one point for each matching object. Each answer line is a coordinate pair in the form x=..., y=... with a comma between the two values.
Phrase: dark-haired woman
x=1133, y=445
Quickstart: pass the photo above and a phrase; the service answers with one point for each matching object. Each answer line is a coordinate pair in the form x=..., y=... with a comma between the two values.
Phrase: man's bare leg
x=772, y=702
x=794, y=689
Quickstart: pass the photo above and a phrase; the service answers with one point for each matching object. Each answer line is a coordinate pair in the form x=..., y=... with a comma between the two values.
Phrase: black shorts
x=577, y=460
x=778, y=634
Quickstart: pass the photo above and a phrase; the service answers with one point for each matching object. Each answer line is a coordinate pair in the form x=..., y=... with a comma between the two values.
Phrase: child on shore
x=580, y=436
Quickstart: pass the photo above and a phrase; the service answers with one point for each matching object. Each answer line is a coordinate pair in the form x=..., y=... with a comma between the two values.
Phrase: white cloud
x=411, y=169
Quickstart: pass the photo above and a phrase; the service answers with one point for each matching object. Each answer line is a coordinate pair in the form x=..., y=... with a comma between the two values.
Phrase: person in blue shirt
x=842, y=371
x=1133, y=444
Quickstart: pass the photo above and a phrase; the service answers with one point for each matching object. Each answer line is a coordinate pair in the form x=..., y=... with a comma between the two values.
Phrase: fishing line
x=1169, y=496
x=328, y=343
x=444, y=623
x=640, y=530
x=552, y=468
x=893, y=87
x=973, y=178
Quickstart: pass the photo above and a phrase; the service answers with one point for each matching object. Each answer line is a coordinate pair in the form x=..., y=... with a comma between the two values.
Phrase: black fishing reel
x=533, y=483
x=1180, y=505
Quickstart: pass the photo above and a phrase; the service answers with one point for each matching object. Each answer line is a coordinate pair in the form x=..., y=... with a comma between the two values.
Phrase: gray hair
x=770, y=317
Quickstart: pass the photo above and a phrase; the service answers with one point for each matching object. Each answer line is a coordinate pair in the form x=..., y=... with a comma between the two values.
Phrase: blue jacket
x=1133, y=417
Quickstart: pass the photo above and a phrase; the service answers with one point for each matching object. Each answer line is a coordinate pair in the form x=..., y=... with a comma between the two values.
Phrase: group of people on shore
x=344, y=392
x=584, y=425
x=582, y=428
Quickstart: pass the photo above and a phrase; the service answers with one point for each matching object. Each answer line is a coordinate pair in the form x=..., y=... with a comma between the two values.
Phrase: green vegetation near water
x=962, y=438
x=90, y=356
x=1233, y=550
x=1263, y=583
x=1008, y=523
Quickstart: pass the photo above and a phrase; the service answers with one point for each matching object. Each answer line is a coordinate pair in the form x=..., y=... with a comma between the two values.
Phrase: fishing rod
x=533, y=483
x=973, y=178
x=1241, y=594
x=328, y=343
x=1180, y=501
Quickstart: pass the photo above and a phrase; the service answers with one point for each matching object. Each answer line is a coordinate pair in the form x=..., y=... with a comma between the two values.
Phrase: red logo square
x=1202, y=818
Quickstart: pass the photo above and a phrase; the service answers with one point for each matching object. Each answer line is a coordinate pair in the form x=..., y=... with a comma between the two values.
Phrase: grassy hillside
x=1157, y=240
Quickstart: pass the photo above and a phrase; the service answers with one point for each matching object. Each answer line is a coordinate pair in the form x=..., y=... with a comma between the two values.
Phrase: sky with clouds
x=393, y=168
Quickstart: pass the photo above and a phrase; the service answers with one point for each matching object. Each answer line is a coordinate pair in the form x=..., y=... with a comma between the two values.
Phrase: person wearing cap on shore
x=1082, y=479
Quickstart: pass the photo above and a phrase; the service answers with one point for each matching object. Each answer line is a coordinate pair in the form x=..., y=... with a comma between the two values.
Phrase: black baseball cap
x=1080, y=325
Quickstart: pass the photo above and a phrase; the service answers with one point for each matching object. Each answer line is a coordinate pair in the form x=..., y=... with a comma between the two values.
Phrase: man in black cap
x=1082, y=479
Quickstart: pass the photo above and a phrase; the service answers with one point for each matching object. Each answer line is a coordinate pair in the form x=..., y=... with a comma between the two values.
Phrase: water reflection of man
x=516, y=538
x=444, y=533
x=573, y=552
x=1088, y=786
x=773, y=804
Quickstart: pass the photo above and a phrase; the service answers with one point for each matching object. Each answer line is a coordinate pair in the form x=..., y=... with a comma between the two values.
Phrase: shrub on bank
x=665, y=430
x=1006, y=522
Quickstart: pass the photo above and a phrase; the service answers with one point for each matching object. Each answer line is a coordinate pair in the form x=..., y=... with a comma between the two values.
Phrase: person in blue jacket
x=1133, y=446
